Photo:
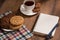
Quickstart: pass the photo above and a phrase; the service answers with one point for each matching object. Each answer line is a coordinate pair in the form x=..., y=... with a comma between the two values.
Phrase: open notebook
x=46, y=23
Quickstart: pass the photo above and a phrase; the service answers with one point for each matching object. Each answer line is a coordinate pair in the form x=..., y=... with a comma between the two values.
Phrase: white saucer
x=25, y=12
x=7, y=30
x=10, y=29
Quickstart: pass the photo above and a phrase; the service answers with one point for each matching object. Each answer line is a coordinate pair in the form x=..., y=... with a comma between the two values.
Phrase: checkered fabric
x=21, y=34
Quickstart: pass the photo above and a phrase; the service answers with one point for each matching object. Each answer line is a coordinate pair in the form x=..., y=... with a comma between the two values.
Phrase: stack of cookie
x=16, y=22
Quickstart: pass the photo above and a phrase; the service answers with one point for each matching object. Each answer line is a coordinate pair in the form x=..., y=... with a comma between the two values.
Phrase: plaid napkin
x=21, y=34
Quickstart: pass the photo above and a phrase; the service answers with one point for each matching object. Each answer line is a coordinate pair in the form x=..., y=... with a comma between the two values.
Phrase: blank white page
x=45, y=23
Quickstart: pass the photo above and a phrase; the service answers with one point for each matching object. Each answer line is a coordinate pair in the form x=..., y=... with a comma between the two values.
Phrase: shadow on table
x=1, y=2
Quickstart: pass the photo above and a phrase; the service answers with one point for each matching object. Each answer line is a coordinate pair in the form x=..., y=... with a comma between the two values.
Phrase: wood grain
x=46, y=7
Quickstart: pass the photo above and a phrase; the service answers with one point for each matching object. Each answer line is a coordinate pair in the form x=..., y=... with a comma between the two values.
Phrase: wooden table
x=46, y=7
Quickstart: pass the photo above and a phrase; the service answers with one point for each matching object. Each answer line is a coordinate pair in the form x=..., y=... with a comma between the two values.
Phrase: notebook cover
x=45, y=23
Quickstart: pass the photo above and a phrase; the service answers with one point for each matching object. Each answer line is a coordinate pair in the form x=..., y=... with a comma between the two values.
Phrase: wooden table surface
x=46, y=7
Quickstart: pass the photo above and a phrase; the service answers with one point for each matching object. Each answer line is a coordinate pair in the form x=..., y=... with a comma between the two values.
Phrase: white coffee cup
x=29, y=5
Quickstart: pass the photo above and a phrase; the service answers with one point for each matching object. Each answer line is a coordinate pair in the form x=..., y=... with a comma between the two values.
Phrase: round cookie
x=37, y=7
x=17, y=20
